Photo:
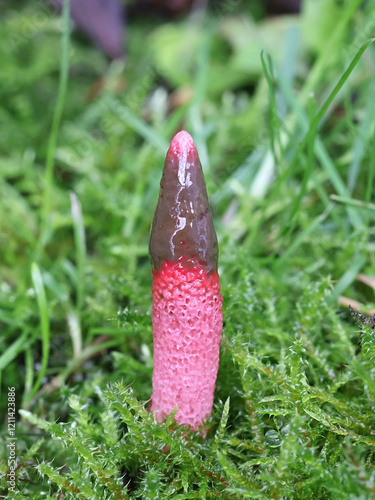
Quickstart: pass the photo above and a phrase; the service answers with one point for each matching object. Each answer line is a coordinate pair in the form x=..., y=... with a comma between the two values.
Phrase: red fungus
x=186, y=301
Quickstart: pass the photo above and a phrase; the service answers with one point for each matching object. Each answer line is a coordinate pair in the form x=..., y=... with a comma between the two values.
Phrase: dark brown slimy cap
x=183, y=225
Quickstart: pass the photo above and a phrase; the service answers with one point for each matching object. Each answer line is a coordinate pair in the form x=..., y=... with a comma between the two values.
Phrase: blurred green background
x=83, y=138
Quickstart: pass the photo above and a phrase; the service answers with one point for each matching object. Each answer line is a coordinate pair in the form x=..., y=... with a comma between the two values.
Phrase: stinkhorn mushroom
x=186, y=300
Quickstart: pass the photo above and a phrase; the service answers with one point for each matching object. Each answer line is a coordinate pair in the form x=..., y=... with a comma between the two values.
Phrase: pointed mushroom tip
x=182, y=143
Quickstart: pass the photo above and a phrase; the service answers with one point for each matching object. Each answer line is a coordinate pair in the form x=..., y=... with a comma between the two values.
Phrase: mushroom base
x=187, y=324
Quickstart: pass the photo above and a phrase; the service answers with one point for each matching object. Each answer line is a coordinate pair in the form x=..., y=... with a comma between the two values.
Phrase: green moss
x=293, y=413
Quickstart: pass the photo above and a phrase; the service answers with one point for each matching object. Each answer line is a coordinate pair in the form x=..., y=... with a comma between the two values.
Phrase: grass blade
x=353, y=202
x=348, y=277
x=144, y=130
x=274, y=122
x=52, y=142
x=80, y=244
x=363, y=136
x=44, y=325
x=12, y=351
x=315, y=122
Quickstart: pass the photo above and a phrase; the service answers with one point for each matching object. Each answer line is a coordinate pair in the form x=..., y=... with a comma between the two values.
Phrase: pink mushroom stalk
x=186, y=300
